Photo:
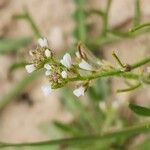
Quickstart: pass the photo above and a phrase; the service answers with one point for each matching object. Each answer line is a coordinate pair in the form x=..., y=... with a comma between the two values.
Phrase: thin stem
x=129, y=89
x=117, y=73
x=118, y=60
x=137, y=129
x=33, y=25
x=26, y=15
x=80, y=21
x=105, y=18
x=95, y=11
x=137, y=13
x=100, y=74
x=140, y=63
x=139, y=27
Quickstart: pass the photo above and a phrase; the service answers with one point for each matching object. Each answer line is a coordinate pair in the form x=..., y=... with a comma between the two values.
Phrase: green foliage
x=137, y=13
x=16, y=66
x=80, y=31
x=139, y=110
x=99, y=91
x=11, y=45
x=88, y=127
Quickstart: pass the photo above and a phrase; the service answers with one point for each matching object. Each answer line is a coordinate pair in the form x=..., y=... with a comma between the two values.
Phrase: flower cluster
x=59, y=72
x=84, y=67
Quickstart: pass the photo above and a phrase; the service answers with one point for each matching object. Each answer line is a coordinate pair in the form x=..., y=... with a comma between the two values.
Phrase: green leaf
x=71, y=102
x=99, y=90
x=16, y=66
x=129, y=131
x=143, y=111
x=66, y=128
x=10, y=45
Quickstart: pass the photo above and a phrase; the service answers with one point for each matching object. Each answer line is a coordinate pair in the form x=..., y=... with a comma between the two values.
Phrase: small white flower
x=79, y=91
x=47, y=66
x=64, y=74
x=30, y=68
x=43, y=42
x=46, y=89
x=85, y=65
x=47, y=72
x=47, y=53
x=66, y=61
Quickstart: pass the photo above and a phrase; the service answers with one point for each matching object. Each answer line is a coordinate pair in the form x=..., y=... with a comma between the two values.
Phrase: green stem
x=100, y=74
x=105, y=18
x=26, y=15
x=137, y=129
x=140, y=63
x=117, y=73
x=137, y=14
x=139, y=27
x=129, y=89
x=80, y=21
x=118, y=60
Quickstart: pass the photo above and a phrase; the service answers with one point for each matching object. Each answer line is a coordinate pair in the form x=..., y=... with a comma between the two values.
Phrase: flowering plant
x=84, y=68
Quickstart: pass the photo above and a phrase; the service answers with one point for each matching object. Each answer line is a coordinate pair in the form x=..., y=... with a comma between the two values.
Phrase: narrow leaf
x=16, y=66
x=143, y=111
x=9, y=45
x=133, y=130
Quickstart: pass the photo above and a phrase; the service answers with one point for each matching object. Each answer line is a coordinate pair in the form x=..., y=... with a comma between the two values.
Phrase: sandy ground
x=19, y=122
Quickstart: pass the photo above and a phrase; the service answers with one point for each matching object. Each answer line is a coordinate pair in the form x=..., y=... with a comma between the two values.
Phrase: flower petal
x=46, y=89
x=47, y=66
x=66, y=61
x=47, y=72
x=30, y=68
x=79, y=91
x=64, y=74
x=43, y=42
x=85, y=65
x=47, y=53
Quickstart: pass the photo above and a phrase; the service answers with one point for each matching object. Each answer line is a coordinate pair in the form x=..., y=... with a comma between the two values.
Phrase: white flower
x=46, y=89
x=64, y=74
x=85, y=65
x=30, y=68
x=47, y=53
x=79, y=91
x=43, y=42
x=47, y=66
x=66, y=61
x=47, y=72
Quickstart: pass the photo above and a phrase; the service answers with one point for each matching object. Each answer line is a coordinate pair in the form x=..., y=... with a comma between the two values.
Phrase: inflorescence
x=83, y=68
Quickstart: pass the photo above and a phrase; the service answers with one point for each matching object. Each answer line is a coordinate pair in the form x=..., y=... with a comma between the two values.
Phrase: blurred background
x=102, y=25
